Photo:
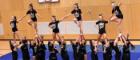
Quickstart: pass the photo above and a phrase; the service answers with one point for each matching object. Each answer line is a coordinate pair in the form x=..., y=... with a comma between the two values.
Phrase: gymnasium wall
x=90, y=8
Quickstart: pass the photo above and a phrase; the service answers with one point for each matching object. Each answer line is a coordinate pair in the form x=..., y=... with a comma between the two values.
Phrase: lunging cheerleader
x=32, y=13
x=77, y=13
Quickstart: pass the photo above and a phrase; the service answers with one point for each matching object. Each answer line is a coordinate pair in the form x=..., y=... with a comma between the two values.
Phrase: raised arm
x=91, y=44
x=124, y=39
x=50, y=46
x=116, y=41
x=71, y=42
x=129, y=42
x=30, y=44
x=20, y=44
x=49, y=25
x=95, y=45
x=119, y=4
x=59, y=42
x=10, y=43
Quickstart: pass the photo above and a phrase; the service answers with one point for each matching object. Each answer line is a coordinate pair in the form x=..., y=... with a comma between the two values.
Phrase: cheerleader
x=116, y=48
x=79, y=50
x=63, y=50
x=77, y=13
x=54, y=26
x=33, y=46
x=107, y=50
x=14, y=28
x=24, y=49
x=33, y=18
x=82, y=51
x=102, y=27
x=75, y=46
x=126, y=48
x=14, y=47
x=94, y=49
x=117, y=15
x=41, y=50
x=53, y=51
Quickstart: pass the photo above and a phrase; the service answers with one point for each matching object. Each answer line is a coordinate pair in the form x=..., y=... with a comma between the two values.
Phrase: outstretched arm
x=65, y=17
x=68, y=15
x=22, y=18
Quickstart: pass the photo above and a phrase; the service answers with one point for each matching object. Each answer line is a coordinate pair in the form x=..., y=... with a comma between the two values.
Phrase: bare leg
x=118, y=21
x=116, y=41
x=17, y=35
x=30, y=23
x=80, y=26
x=99, y=38
x=82, y=37
x=119, y=25
x=79, y=38
x=105, y=37
x=58, y=35
x=14, y=36
x=54, y=37
x=114, y=19
x=35, y=27
x=75, y=20
x=81, y=30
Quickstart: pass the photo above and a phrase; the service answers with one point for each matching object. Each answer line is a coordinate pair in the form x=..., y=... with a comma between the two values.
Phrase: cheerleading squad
x=79, y=46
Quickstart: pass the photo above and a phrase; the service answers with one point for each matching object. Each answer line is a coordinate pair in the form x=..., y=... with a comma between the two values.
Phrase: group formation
x=79, y=51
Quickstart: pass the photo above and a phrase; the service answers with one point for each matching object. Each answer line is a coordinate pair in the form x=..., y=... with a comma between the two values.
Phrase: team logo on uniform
x=76, y=14
x=12, y=25
x=101, y=25
x=32, y=15
x=53, y=26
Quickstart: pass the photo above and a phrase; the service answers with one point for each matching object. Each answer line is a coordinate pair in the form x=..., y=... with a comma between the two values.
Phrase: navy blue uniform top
x=32, y=13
